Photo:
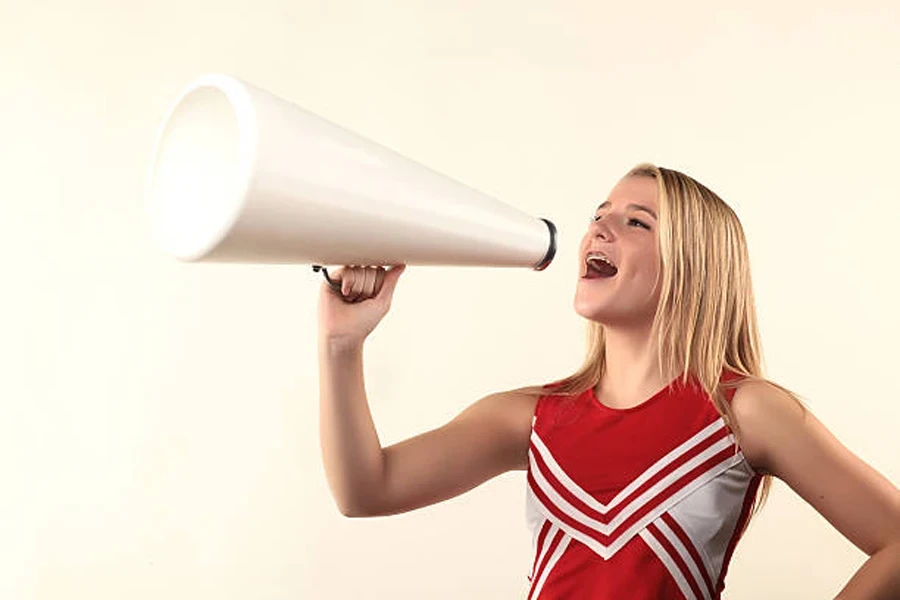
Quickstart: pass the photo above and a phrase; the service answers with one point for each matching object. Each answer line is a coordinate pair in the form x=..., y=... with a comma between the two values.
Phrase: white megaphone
x=241, y=175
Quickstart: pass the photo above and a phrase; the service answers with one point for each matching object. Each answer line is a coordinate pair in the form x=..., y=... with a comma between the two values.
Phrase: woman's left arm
x=778, y=438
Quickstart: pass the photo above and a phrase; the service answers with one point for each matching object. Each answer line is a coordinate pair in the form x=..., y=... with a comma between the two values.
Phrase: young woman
x=645, y=465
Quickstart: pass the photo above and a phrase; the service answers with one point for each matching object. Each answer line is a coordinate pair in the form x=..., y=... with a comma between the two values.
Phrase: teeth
x=599, y=257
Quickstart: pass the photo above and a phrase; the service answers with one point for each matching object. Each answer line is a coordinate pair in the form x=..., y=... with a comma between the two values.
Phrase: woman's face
x=625, y=231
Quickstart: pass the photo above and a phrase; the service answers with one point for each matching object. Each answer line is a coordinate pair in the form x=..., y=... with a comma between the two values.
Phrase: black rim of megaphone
x=548, y=258
x=551, y=250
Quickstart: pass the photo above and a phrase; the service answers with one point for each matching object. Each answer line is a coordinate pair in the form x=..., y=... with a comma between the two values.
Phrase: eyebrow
x=634, y=206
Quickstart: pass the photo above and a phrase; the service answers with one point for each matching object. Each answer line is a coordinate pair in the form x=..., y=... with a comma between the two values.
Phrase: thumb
x=391, y=277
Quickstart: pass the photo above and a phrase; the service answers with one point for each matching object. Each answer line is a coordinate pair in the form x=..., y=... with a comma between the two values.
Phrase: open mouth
x=599, y=267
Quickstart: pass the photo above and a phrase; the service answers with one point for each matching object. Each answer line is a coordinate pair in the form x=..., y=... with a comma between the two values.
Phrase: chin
x=597, y=320
x=601, y=311
x=591, y=311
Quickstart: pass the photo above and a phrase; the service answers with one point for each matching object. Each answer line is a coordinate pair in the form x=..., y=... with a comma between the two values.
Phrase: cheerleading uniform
x=642, y=503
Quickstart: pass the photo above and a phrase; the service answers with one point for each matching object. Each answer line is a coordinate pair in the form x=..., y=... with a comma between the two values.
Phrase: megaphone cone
x=241, y=175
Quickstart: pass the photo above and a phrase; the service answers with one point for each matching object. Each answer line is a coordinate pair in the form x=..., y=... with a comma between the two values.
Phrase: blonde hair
x=706, y=318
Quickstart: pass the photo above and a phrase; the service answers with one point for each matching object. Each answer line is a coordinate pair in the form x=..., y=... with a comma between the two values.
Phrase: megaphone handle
x=335, y=285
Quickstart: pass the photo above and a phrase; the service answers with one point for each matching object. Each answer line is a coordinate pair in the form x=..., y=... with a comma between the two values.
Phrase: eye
x=596, y=218
x=641, y=223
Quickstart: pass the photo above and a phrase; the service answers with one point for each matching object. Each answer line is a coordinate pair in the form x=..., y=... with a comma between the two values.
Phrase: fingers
x=379, y=280
x=357, y=290
x=351, y=285
x=360, y=283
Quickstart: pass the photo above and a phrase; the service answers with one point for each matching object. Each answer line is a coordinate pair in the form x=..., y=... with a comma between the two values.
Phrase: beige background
x=158, y=425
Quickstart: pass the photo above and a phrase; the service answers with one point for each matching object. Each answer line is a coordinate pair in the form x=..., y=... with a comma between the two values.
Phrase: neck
x=632, y=367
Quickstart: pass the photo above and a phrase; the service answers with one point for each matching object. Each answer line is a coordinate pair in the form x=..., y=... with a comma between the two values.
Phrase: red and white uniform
x=644, y=503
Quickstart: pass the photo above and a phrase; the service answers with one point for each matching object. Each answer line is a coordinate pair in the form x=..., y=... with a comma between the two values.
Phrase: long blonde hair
x=706, y=317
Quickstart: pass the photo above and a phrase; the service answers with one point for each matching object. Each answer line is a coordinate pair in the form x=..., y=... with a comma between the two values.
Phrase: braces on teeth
x=591, y=257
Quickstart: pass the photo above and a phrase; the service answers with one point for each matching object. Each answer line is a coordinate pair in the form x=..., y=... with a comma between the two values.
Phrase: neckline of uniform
x=595, y=401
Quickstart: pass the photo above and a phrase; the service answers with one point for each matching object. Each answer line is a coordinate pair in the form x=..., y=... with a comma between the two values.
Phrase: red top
x=645, y=502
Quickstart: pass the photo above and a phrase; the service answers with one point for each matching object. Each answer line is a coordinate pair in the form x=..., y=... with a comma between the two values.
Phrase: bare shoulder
x=515, y=405
x=783, y=438
x=510, y=416
x=764, y=411
x=520, y=403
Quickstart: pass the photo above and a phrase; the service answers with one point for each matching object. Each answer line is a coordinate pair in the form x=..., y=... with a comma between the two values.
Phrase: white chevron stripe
x=554, y=558
x=551, y=533
x=669, y=563
x=706, y=566
x=692, y=566
x=632, y=506
x=620, y=540
x=582, y=537
x=658, y=466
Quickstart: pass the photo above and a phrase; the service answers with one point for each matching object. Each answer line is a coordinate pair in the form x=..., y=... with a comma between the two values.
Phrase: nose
x=601, y=229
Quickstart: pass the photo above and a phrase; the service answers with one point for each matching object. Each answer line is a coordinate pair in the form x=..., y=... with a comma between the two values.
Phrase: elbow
x=356, y=509
x=353, y=512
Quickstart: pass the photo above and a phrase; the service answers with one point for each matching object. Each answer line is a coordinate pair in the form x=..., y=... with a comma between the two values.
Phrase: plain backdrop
x=159, y=420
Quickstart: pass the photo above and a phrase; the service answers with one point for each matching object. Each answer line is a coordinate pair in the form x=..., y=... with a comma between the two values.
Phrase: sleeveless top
x=644, y=503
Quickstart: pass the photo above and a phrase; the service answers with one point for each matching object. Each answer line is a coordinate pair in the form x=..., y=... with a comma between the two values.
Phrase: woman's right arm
x=490, y=437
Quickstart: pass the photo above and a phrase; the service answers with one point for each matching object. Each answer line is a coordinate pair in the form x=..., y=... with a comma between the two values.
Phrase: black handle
x=335, y=285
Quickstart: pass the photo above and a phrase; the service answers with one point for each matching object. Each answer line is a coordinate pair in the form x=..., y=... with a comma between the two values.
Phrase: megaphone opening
x=201, y=166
